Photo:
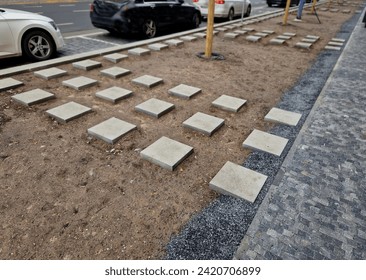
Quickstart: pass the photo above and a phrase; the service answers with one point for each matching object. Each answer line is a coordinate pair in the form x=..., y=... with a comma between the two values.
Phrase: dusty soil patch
x=64, y=195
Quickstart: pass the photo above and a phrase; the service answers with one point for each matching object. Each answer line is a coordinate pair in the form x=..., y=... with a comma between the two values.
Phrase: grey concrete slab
x=199, y=35
x=231, y=35
x=238, y=181
x=221, y=29
x=291, y=34
x=155, y=107
x=184, y=91
x=147, y=81
x=240, y=32
x=174, y=42
x=188, y=38
x=269, y=32
x=115, y=72
x=283, y=37
x=249, y=29
x=166, y=153
x=87, y=64
x=283, y=116
x=79, y=83
x=111, y=130
x=139, y=51
x=308, y=40
x=335, y=44
x=277, y=41
x=9, y=83
x=334, y=10
x=252, y=38
x=229, y=103
x=115, y=57
x=261, y=34
x=338, y=40
x=230, y=27
x=312, y=37
x=332, y=48
x=50, y=73
x=158, y=46
x=266, y=142
x=114, y=94
x=204, y=123
x=303, y=45
x=238, y=24
x=33, y=97
x=67, y=112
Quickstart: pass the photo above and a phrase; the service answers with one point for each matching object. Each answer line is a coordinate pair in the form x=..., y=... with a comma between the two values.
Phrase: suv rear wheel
x=149, y=28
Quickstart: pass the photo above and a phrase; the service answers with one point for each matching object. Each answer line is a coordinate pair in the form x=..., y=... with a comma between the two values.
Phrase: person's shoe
x=297, y=19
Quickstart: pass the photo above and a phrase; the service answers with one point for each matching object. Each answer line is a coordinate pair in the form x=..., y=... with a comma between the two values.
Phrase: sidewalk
x=317, y=209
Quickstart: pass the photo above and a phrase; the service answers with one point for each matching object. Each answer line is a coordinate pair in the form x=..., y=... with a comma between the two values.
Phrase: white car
x=29, y=34
x=226, y=8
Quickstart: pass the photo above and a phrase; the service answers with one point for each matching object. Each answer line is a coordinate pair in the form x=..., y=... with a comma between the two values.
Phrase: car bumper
x=59, y=40
x=219, y=12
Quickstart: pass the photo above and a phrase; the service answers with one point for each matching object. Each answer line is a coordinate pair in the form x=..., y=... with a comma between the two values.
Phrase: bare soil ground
x=65, y=195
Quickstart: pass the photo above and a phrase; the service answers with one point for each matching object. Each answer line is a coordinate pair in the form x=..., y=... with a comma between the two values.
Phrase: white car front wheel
x=38, y=45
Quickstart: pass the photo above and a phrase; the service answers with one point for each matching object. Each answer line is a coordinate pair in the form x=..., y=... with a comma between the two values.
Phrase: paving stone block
x=240, y=32
x=231, y=35
x=303, y=45
x=188, y=38
x=335, y=44
x=50, y=73
x=238, y=24
x=230, y=27
x=282, y=116
x=115, y=57
x=338, y=40
x=269, y=32
x=184, y=91
x=174, y=42
x=199, y=35
x=229, y=103
x=166, y=153
x=139, y=51
x=158, y=47
x=283, y=37
x=9, y=83
x=261, y=34
x=87, y=64
x=33, y=97
x=307, y=40
x=204, y=123
x=289, y=34
x=249, y=29
x=252, y=38
x=263, y=141
x=155, y=107
x=147, y=81
x=238, y=181
x=111, y=130
x=115, y=72
x=79, y=83
x=334, y=10
x=312, y=37
x=221, y=29
x=67, y=112
x=277, y=41
x=114, y=94
x=332, y=48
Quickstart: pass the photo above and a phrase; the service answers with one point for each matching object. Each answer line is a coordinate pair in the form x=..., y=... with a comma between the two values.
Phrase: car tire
x=249, y=10
x=230, y=15
x=196, y=20
x=149, y=28
x=38, y=45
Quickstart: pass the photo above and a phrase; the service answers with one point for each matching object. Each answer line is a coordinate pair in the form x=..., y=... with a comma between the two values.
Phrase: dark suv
x=281, y=2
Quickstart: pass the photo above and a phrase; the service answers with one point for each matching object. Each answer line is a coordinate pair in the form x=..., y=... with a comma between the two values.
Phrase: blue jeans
x=301, y=7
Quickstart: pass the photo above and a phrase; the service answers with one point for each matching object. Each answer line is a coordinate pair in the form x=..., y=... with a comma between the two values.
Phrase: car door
x=7, y=44
x=163, y=11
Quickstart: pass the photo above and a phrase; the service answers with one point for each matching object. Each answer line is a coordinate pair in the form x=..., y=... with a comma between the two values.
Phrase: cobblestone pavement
x=317, y=210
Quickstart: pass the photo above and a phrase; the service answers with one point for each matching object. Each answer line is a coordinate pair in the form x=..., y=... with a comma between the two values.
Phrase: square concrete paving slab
x=166, y=153
x=277, y=41
x=115, y=57
x=50, y=73
x=229, y=103
x=188, y=38
x=204, y=123
x=266, y=142
x=307, y=40
x=139, y=51
x=9, y=83
x=155, y=107
x=303, y=45
x=231, y=35
x=174, y=42
x=238, y=181
x=283, y=37
x=87, y=64
x=282, y=116
x=249, y=29
x=111, y=130
x=158, y=47
x=67, y=112
x=336, y=44
x=79, y=83
x=184, y=91
x=252, y=38
x=115, y=72
x=268, y=31
x=33, y=97
x=230, y=27
x=199, y=34
x=147, y=81
x=289, y=34
x=221, y=29
x=114, y=94
x=338, y=40
x=332, y=48
x=312, y=37
x=261, y=34
x=240, y=32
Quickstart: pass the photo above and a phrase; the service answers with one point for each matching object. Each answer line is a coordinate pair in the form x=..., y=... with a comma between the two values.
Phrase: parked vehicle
x=282, y=2
x=143, y=16
x=29, y=34
x=226, y=8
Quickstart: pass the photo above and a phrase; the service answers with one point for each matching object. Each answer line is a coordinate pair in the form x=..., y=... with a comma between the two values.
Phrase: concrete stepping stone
x=79, y=83
x=188, y=38
x=184, y=91
x=231, y=35
x=155, y=107
x=238, y=181
x=334, y=10
x=147, y=81
x=33, y=97
x=307, y=40
x=230, y=27
x=323, y=9
x=240, y=32
x=115, y=72
x=346, y=11
x=338, y=40
x=87, y=64
x=335, y=44
x=303, y=45
x=277, y=41
x=199, y=34
x=269, y=32
x=67, y=112
x=114, y=94
x=312, y=37
x=111, y=130
x=174, y=42
x=332, y=48
x=238, y=24
x=283, y=37
x=9, y=83
x=263, y=141
x=261, y=34
x=221, y=29
x=289, y=34
x=229, y=103
x=252, y=38
x=248, y=29
x=166, y=153
x=204, y=123
x=50, y=73
x=139, y=51
x=282, y=116
x=158, y=47
x=115, y=57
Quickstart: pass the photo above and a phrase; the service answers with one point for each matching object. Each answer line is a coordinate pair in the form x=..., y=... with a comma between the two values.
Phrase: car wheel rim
x=39, y=47
x=231, y=15
x=150, y=28
x=196, y=21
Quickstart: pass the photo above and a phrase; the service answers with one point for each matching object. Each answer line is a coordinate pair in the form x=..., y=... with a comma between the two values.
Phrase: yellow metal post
x=313, y=6
x=285, y=16
x=210, y=24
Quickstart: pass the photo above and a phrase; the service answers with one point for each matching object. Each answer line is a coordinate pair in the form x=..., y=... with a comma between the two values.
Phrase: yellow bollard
x=210, y=24
x=287, y=9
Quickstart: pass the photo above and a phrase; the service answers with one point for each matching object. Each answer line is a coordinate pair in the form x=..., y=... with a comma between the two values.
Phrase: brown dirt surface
x=65, y=195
